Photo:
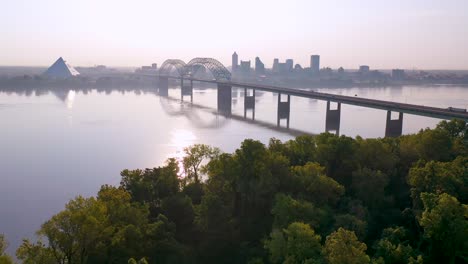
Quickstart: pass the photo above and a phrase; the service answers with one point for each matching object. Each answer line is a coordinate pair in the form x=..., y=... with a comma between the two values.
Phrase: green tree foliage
x=76, y=231
x=375, y=154
x=4, y=258
x=152, y=185
x=35, y=253
x=299, y=151
x=394, y=247
x=298, y=243
x=194, y=157
x=369, y=187
x=343, y=247
x=445, y=225
x=288, y=210
x=352, y=223
x=311, y=183
x=337, y=154
x=440, y=177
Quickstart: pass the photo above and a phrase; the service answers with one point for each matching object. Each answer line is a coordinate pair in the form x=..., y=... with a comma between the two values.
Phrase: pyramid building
x=60, y=69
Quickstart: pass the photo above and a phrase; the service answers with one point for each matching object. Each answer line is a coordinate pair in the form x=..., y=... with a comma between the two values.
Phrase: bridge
x=186, y=72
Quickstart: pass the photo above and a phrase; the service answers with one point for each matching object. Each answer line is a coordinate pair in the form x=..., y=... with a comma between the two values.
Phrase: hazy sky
x=430, y=34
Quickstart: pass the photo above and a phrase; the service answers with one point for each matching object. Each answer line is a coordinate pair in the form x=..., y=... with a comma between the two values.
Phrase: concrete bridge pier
x=186, y=88
x=224, y=99
x=283, y=110
x=249, y=103
x=163, y=86
x=394, y=128
x=332, y=122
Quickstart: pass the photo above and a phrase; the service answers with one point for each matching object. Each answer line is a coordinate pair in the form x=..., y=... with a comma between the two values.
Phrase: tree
x=394, y=247
x=152, y=185
x=35, y=253
x=76, y=231
x=337, y=154
x=375, y=154
x=343, y=247
x=301, y=150
x=352, y=223
x=296, y=244
x=311, y=183
x=435, y=144
x=194, y=156
x=287, y=210
x=445, y=226
x=369, y=187
x=440, y=177
x=4, y=258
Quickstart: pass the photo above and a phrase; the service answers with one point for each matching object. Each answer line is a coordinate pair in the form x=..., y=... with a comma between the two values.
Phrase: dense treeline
x=315, y=199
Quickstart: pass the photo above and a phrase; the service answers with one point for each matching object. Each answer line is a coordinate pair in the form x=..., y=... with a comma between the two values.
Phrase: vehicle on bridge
x=455, y=109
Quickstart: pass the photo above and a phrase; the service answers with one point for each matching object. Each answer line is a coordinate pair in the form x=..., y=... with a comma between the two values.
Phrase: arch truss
x=169, y=64
x=215, y=67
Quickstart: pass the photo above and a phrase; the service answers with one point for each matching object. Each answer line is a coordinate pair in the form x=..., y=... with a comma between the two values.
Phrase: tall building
x=235, y=61
x=275, y=65
x=289, y=65
x=245, y=66
x=364, y=69
x=398, y=74
x=259, y=66
x=315, y=63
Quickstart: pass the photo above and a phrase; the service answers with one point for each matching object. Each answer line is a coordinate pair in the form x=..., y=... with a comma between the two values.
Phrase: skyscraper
x=289, y=64
x=245, y=66
x=315, y=63
x=235, y=61
x=259, y=66
x=275, y=65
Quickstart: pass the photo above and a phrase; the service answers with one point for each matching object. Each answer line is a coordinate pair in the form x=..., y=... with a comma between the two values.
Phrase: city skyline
x=420, y=34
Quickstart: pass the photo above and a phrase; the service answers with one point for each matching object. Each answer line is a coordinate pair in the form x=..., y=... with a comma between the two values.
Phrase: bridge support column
x=394, y=128
x=224, y=99
x=283, y=110
x=186, y=88
x=249, y=103
x=163, y=86
x=332, y=122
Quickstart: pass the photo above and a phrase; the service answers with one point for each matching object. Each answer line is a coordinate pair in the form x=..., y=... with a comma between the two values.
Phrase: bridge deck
x=421, y=110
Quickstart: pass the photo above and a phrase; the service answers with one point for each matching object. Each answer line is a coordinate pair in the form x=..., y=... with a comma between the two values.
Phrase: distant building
x=259, y=66
x=398, y=74
x=275, y=65
x=298, y=67
x=235, y=61
x=289, y=65
x=148, y=69
x=245, y=66
x=364, y=69
x=315, y=63
x=282, y=68
x=60, y=69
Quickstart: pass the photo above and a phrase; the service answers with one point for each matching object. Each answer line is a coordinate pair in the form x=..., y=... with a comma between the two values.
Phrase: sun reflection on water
x=70, y=99
x=180, y=139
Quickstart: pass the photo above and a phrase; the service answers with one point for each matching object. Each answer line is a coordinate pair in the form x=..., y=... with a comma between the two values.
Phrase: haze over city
x=423, y=34
x=234, y=131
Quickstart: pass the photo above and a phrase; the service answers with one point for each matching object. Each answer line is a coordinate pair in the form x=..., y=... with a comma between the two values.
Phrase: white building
x=60, y=69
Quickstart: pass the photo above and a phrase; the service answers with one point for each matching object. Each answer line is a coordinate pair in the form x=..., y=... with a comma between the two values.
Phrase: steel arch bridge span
x=215, y=67
x=169, y=64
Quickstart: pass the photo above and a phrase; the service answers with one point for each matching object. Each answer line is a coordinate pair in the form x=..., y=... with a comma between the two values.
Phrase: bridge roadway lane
x=420, y=110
